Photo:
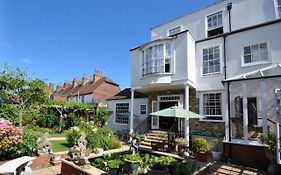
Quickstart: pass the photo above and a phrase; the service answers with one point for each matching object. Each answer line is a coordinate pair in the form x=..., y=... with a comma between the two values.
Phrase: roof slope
x=126, y=94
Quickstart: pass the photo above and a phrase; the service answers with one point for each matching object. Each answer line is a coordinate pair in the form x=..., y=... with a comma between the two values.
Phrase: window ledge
x=217, y=121
x=156, y=74
x=244, y=142
x=255, y=63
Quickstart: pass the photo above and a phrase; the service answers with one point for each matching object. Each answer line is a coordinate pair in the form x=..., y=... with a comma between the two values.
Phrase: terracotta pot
x=203, y=157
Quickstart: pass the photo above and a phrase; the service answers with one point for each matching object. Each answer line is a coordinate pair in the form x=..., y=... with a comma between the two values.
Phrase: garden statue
x=45, y=146
x=133, y=143
x=77, y=152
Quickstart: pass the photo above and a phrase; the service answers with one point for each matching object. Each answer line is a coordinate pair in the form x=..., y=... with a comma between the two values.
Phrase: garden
x=26, y=113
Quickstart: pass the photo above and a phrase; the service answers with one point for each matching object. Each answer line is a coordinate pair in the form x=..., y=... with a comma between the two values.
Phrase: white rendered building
x=222, y=61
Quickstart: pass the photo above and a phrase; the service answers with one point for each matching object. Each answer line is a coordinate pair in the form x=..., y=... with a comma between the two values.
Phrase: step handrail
x=142, y=127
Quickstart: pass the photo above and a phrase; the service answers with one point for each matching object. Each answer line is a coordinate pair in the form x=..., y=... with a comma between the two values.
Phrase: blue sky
x=58, y=40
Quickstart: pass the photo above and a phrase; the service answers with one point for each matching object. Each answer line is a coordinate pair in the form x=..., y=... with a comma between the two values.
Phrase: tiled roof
x=81, y=89
x=126, y=94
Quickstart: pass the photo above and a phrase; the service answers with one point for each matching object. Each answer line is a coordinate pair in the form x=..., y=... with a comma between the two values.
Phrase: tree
x=16, y=85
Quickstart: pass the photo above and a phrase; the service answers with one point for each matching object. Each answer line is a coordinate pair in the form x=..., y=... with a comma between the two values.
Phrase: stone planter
x=217, y=155
x=158, y=169
x=130, y=166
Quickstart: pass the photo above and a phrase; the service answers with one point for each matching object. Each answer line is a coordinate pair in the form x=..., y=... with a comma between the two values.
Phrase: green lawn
x=60, y=145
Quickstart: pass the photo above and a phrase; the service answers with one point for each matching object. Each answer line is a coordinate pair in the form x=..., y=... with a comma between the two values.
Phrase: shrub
x=97, y=137
x=72, y=135
x=269, y=138
x=116, y=143
x=28, y=147
x=48, y=118
x=10, y=138
x=200, y=145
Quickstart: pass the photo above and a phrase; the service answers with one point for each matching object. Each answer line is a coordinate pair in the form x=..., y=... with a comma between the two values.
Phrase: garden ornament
x=45, y=146
x=77, y=152
x=133, y=143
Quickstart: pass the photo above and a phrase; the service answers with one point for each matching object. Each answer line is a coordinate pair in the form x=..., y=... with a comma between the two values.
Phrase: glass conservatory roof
x=270, y=71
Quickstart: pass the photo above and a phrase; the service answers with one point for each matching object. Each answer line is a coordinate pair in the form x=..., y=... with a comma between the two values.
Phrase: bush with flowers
x=14, y=142
x=97, y=137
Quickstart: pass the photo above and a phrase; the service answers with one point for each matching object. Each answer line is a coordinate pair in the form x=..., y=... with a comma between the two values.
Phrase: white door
x=154, y=119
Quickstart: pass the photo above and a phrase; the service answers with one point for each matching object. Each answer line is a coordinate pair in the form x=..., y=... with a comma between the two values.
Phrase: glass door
x=154, y=119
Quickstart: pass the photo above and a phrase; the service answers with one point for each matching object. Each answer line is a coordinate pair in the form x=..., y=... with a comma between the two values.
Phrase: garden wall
x=246, y=155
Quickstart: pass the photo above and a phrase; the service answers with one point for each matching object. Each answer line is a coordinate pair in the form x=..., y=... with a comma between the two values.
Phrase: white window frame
x=221, y=61
x=243, y=64
x=116, y=114
x=276, y=5
x=201, y=104
x=218, y=26
x=143, y=110
x=153, y=60
x=172, y=29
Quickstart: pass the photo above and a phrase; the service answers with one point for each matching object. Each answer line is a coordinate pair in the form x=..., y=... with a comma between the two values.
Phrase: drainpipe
x=229, y=7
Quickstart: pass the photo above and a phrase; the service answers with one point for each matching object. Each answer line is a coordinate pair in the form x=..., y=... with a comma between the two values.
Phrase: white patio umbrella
x=176, y=111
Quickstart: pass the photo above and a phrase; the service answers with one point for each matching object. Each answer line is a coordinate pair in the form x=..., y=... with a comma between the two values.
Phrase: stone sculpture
x=45, y=146
x=77, y=152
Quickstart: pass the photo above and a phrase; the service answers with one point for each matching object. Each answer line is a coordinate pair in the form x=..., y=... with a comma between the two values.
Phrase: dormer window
x=174, y=31
x=157, y=59
x=278, y=8
x=215, y=25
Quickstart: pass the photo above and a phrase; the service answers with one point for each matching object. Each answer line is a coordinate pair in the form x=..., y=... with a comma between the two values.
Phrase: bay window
x=157, y=59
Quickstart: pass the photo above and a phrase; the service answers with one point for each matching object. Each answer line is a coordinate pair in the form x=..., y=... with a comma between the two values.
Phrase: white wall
x=234, y=47
x=244, y=13
x=137, y=119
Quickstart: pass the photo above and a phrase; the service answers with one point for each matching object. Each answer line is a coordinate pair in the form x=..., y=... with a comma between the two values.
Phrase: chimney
x=66, y=85
x=75, y=82
x=98, y=74
x=85, y=80
x=51, y=87
x=59, y=87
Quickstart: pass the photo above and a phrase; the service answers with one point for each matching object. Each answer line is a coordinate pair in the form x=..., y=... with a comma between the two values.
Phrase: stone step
x=155, y=138
x=158, y=132
x=157, y=135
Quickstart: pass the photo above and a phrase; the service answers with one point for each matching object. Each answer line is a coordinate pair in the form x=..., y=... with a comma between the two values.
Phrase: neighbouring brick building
x=89, y=89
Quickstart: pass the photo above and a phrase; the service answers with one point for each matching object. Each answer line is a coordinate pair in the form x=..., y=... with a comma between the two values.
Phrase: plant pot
x=158, y=169
x=217, y=155
x=113, y=171
x=273, y=167
x=203, y=157
x=130, y=166
x=98, y=150
x=181, y=150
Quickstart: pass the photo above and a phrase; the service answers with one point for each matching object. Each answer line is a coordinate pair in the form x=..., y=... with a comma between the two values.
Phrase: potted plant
x=217, y=154
x=200, y=147
x=114, y=166
x=132, y=163
x=180, y=145
x=269, y=141
x=161, y=165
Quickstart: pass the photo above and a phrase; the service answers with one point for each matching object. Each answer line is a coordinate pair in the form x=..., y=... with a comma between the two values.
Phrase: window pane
x=168, y=49
x=247, y=59
x=247, y=50
x=263, y=47
x=264, y=56
x=279, y=2
x=211, y=60
x=205, y=51
x=255, y=57
x=255, y=48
